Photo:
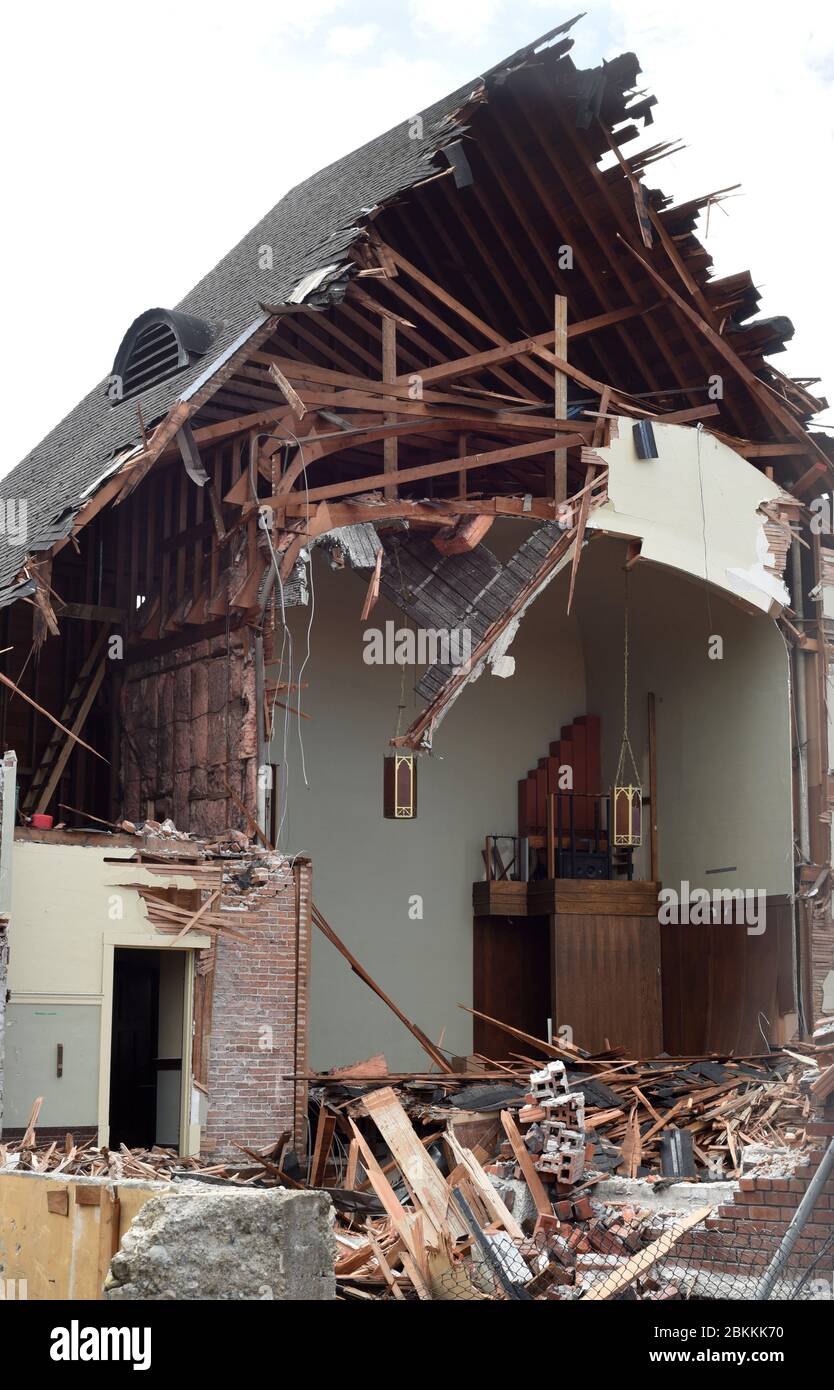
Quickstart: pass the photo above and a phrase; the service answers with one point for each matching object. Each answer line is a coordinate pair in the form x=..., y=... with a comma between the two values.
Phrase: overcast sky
x=142, y=140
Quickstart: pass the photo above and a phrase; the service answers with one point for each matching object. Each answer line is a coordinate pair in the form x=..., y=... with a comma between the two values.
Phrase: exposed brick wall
x=258, y=1037
x=743, y=1236
x=822, y=958
x=188, y=721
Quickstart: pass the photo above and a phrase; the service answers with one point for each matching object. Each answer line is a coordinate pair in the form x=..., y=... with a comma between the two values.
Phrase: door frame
x=125, y=940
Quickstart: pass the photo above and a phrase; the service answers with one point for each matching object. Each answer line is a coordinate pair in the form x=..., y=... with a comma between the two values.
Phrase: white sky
x=141, y=141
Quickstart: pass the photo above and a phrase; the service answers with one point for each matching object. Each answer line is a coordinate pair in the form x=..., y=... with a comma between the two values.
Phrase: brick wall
x=822, y=957
x=188, y=721
x=258, y=1030
x=743, y=1236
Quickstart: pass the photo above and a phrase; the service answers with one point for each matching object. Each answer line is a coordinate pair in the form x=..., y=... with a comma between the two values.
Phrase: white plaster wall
x=61, y=909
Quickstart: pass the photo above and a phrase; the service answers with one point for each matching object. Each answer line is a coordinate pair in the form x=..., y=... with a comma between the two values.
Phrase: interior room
x=402, y=892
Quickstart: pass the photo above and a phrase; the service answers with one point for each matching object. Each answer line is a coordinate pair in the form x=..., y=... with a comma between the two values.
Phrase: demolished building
x=476, y=380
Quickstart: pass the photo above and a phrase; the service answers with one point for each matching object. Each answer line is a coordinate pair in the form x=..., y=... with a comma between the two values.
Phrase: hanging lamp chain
x=402, y=705
x=626, y=743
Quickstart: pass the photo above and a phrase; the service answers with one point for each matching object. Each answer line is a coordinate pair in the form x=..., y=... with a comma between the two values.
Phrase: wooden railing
x=577, y=843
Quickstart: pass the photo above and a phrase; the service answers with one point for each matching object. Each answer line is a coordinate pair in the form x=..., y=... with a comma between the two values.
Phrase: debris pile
x=85, y=1159
x=563, y=1128
x=481, y=1184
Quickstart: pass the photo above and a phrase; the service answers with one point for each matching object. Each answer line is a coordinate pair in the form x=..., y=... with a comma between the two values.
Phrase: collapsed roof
x=511, y=189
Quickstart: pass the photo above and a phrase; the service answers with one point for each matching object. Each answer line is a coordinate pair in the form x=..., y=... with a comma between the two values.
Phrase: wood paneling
x=606, y=980
x=511, y=979
x=613, y=897
x=565, y=896
x=500, y=898
x=724, y=990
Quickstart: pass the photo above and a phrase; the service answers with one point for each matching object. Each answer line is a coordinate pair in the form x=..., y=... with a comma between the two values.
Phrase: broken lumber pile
x=444, y=1225
x=480, y=1183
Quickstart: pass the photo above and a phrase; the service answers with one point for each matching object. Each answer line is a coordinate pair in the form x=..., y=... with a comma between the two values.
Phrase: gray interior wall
x=723, y=730
x=366, y=869
x=724, y=772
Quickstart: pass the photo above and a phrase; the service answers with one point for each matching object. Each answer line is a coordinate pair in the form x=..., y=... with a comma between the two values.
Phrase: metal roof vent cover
x=157, y=345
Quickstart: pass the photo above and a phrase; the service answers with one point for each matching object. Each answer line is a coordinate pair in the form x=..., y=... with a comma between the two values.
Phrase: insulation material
x=697, y=508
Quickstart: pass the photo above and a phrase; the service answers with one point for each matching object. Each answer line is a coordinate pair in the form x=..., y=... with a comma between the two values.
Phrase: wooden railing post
x=551, y=843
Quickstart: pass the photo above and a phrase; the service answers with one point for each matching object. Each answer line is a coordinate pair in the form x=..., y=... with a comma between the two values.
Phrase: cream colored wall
x=695, y=507
x=723, y=730
x=68, y=914
x=366, y=869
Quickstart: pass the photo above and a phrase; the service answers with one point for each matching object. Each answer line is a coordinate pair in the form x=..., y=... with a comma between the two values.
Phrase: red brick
x=249, y=1099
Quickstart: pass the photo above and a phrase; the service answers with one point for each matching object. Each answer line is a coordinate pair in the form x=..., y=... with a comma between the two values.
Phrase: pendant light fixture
x=627, y=797
x=399, y=772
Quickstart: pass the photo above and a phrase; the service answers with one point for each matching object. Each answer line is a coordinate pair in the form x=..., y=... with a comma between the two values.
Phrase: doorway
x=146, y=1048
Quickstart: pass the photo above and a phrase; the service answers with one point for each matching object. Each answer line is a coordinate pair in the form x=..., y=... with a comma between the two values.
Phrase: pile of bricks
x=744, y=1235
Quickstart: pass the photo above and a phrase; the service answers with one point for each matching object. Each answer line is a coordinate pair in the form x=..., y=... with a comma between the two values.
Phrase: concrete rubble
x=227, y=1243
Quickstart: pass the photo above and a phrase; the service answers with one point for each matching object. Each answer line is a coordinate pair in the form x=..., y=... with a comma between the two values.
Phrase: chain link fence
x=574, y=1265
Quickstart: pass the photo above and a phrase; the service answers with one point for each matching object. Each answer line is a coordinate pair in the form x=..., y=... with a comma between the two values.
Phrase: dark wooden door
x=134, y=1049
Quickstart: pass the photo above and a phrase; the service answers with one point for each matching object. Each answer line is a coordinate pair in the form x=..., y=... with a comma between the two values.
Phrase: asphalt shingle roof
x=312, y=226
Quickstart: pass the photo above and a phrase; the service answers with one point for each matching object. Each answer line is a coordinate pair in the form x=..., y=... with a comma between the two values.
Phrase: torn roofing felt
x=313, y=226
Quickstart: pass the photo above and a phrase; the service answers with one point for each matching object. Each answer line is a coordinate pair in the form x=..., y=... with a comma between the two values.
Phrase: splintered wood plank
x=544, y=1206
x=385, y=1268
x=389, y=373
x=632, y=1146
x=486, y=1193
x=423, y=1177
x=558, y=484
x=403, y=1223
x=321, y=1152
x=352, y=1166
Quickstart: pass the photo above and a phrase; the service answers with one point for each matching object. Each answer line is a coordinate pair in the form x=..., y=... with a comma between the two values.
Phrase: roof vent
x=157, y=345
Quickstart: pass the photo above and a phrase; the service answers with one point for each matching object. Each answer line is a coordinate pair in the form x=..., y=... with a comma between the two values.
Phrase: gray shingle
x=313, y=225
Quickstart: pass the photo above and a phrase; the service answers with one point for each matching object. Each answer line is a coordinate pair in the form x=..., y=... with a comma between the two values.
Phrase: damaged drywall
x=696, y=507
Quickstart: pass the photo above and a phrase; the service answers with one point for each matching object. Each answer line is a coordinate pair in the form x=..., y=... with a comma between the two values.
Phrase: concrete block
x=207, y=1242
